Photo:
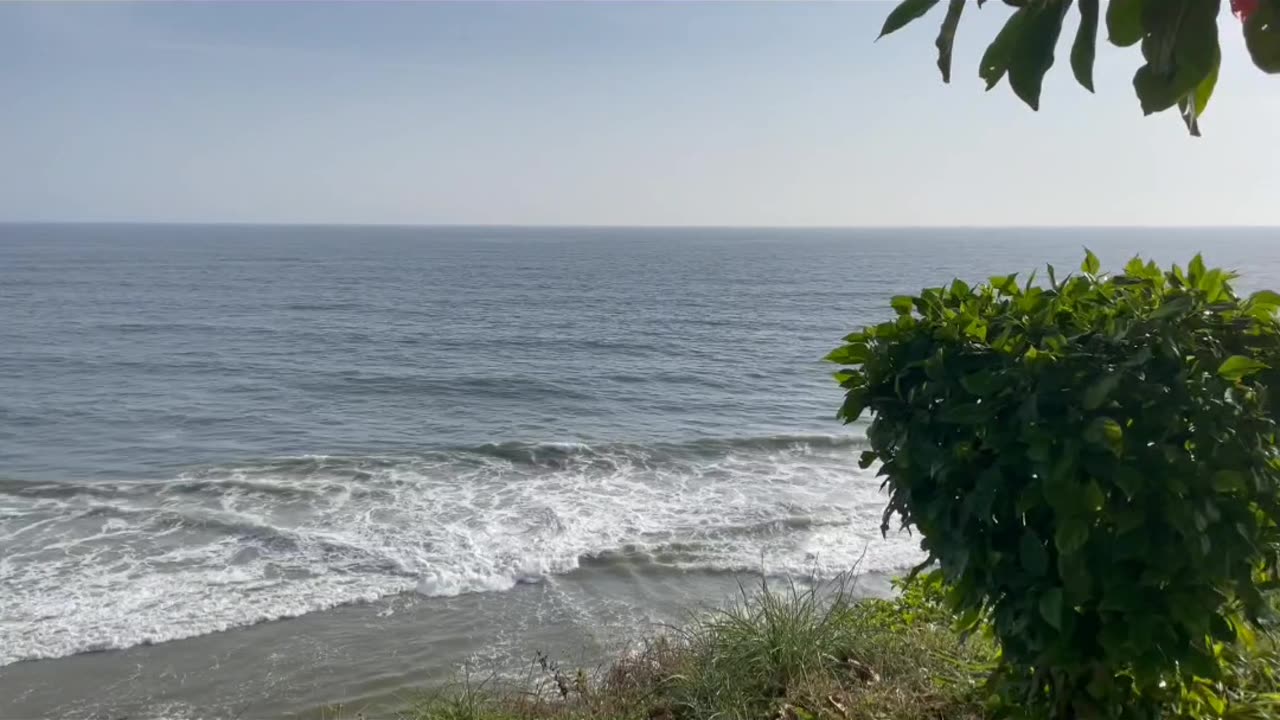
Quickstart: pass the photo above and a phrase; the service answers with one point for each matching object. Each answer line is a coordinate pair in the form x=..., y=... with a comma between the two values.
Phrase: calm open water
x=431, y=446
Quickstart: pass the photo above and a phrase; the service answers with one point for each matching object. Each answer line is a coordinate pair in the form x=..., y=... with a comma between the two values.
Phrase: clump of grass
x=792, y=653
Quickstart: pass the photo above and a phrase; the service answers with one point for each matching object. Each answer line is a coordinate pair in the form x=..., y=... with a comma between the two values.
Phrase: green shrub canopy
x=1091, y=464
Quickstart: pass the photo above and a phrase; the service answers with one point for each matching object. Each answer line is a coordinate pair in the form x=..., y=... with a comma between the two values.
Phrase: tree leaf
x=964, y=414
x=1034, y=558
x=1084, y=49
x=1237, y=367
x=1194, y=104
x=1051, y=607
x=1033, y=55
x=1262, y=36
x=1097, y=393
x=995, y=61
x=905, y=12
x=947, y=37
x=1181, y=49
x=902, y=304
x=1124, y=21
x=1071, y=535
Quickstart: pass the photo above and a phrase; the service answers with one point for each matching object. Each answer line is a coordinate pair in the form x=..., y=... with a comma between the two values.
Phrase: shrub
x=1092, y=466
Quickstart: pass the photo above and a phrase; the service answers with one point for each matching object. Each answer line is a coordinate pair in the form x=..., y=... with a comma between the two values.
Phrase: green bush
x=1092, y=466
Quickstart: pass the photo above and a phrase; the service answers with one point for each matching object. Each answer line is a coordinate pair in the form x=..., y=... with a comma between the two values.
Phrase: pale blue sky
x=578, y=113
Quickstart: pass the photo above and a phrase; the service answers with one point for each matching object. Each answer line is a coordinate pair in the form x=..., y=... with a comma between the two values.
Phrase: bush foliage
x=1092, y=465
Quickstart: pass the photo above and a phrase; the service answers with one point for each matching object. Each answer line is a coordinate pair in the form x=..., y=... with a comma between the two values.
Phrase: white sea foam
x=114, y=565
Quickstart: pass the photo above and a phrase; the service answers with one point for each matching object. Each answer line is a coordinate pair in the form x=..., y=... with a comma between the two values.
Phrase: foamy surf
x=111, y=565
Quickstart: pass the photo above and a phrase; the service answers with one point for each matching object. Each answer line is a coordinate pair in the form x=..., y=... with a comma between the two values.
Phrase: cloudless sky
x=594, y=113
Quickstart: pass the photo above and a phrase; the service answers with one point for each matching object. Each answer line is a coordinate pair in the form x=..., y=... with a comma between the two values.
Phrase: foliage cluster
x=1092, y=465
x=1178, y=38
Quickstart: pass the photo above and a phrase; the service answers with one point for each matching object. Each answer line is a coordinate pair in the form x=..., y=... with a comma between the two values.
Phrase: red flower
x=1244, y=8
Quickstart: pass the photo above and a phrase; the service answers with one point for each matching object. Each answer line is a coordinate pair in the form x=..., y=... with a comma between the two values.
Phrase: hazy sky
x=577, y=113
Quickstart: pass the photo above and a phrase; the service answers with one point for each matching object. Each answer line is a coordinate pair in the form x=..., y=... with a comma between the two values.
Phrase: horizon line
x=593, y=226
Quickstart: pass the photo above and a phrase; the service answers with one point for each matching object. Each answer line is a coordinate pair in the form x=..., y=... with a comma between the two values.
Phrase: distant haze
x=604, y=113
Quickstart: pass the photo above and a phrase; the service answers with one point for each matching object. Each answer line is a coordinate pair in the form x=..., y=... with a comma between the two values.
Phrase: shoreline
x=374, y=655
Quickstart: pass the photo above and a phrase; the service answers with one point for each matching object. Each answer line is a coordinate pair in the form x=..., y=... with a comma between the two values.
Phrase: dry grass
x=790, y=653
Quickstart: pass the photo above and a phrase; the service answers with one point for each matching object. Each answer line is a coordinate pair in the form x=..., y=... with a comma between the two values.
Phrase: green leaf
x=1194, y=105
x=1177, y=306
x=1034, y=558
x=1181, y=50
x=903, y=304
x=906, y=12
x=1033, y=55
x=1084, y=49
x=867, y=459
x=1227, y=481
x=1091, y=265
x=1007, y=284
x=1223, y=630
x=1262, y=36
x=1237, y=367
x=855, y=402
x=995, y=61
x=1124, y=21
x=1108, y=433
x=1098, y=392
x=1051, y=607
x=851, y=354
x=1265, y=298
x=947, y=37
x=1195, y=269
x=1071, y=535
x=964, y=414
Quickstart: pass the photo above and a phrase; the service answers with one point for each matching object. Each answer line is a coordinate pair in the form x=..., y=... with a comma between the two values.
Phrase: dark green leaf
x=1177, y=306
x=963, y=414
x=1228, y=481
x=1072, y=534
x=1262, y=36
x=1237, y=367
x=1098, y=392
x=1085, y=47
x=995, y=61
x=905, y=12
x=947, y=37
x=1051, y=607
x=1194, y=105
x=1033, y=55
x=1222, y=630
x=1124, y=21
x=854, y=403
x=903, y=304
x=1181, y=49
x=1034, y=558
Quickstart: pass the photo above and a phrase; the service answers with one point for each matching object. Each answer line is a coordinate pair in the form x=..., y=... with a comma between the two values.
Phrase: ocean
x=251, y=471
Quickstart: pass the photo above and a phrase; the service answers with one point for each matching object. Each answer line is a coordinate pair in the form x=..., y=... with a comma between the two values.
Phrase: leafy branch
x=1178, y=40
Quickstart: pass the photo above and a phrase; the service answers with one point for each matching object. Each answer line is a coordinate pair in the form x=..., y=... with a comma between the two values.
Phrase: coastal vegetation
x=1091, y=463
x=807, y=653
